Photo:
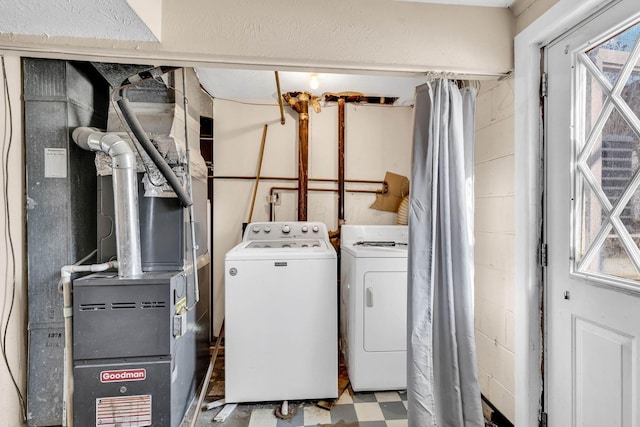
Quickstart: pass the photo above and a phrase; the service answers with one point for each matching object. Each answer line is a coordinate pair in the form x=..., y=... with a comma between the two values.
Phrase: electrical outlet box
x=179, y=324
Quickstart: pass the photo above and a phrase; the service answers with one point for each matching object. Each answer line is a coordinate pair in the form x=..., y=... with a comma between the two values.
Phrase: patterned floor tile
x=397, y=423
x=345, y=398
x=369, y=411
x=387, y=396
x=346, y=413
x=393, y=410
x=263, y=417
x=364, y=397
x=314, y=416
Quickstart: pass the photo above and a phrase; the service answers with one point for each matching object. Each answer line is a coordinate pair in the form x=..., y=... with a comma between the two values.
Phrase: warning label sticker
x=130, y=411
x=123, y=375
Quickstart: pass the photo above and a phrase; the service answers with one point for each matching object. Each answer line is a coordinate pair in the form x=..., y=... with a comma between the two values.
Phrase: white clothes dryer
x=373, y=305
x=281, y=303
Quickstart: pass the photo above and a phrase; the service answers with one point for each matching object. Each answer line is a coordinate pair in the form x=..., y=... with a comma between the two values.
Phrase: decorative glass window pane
x=607, y=159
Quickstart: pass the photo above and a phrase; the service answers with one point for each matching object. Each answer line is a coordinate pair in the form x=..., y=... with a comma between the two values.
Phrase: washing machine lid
x=281, y=249
x=376, y=250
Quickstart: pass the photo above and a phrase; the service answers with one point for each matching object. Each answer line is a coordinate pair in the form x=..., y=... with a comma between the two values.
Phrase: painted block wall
x=377, y=139
x=494, y=245
x=12, y=270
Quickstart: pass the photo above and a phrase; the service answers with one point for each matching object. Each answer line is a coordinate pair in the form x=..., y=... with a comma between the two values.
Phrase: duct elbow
x=125, y=194
x=83, y=135
x=118, y=149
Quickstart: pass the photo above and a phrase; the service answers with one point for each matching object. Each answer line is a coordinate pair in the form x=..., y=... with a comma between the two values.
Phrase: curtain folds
x=443, y=389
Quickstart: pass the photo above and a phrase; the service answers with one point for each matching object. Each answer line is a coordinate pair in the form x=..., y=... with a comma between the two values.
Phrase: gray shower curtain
x=442, y=386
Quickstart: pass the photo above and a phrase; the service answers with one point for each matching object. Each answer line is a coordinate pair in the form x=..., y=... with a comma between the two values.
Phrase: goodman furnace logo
x=123, y=375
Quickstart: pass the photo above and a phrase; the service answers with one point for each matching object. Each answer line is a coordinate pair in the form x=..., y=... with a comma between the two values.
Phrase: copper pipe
x=285, y=178
x=303, y=155
x=272, y=189
x=383, y=191
x=340, y=162
x=279, y=99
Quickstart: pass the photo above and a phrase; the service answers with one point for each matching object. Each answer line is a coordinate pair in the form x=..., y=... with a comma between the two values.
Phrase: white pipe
x=67, y=312
x=125, y=194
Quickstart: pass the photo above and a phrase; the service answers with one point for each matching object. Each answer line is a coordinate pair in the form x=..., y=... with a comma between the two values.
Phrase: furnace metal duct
x=151, y=150
x=125, y=195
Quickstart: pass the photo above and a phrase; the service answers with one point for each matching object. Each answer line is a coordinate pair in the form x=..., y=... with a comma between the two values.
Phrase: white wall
x=16, y=330
x=494, y=251
x=354, y=34
x=527, y=11
x=377, y=139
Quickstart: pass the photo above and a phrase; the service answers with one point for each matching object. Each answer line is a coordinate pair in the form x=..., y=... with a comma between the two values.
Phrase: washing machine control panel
x=286, y=230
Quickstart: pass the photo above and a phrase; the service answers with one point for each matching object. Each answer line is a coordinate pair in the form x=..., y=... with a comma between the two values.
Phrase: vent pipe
x=300, y=102
x=303, y=155
x=125, y=194
x=341, y=193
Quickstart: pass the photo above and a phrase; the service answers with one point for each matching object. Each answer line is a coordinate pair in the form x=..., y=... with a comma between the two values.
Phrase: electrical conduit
x=194, y=244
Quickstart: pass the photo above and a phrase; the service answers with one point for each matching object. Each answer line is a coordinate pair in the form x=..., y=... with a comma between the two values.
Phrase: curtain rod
x=454, y=75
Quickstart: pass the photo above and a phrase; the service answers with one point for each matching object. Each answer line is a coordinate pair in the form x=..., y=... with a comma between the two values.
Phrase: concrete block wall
x=494, y=244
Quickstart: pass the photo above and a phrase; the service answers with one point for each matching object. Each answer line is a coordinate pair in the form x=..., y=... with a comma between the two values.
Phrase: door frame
x=528, y=192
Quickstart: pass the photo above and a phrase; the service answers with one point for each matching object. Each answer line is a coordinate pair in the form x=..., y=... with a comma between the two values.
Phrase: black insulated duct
x=153, y=153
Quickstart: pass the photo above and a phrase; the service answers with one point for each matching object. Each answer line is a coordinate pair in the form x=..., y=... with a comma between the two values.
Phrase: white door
x=592, y=221
x=385, y=311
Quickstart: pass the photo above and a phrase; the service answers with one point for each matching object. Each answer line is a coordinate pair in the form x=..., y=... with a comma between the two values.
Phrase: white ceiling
x=101, y=19
x=261, y=84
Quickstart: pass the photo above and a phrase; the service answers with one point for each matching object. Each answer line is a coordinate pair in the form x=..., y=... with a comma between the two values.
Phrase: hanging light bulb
x=314, y=83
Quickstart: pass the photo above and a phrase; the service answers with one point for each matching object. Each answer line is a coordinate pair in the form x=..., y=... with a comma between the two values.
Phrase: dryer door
x=385, y=311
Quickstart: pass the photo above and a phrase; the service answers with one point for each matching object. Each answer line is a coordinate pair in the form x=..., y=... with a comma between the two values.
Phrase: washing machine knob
x=256, y=229
x=286, y=229
x=267, y=229
x=315, y=228
x=304, y=228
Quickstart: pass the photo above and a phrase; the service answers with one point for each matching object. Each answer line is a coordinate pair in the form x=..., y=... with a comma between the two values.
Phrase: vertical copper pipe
x=340, y=162
x=303, y=155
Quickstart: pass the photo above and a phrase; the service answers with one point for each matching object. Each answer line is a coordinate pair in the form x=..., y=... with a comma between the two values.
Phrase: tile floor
x=369, y=409
x=379, y=409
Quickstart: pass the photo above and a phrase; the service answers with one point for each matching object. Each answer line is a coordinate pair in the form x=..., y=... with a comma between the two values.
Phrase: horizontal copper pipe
x=283, y=178
x=329, y=190
x=272, y=189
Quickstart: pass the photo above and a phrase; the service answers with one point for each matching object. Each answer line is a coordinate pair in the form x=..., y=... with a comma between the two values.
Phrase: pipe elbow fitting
x=85, y=137
x=119, y=150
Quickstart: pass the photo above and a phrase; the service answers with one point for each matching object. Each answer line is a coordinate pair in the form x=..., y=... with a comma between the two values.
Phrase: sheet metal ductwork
x=125, y=194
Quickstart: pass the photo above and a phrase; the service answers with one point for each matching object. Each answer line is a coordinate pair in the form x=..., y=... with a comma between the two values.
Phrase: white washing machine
x=281, y=332
x=373, y=305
